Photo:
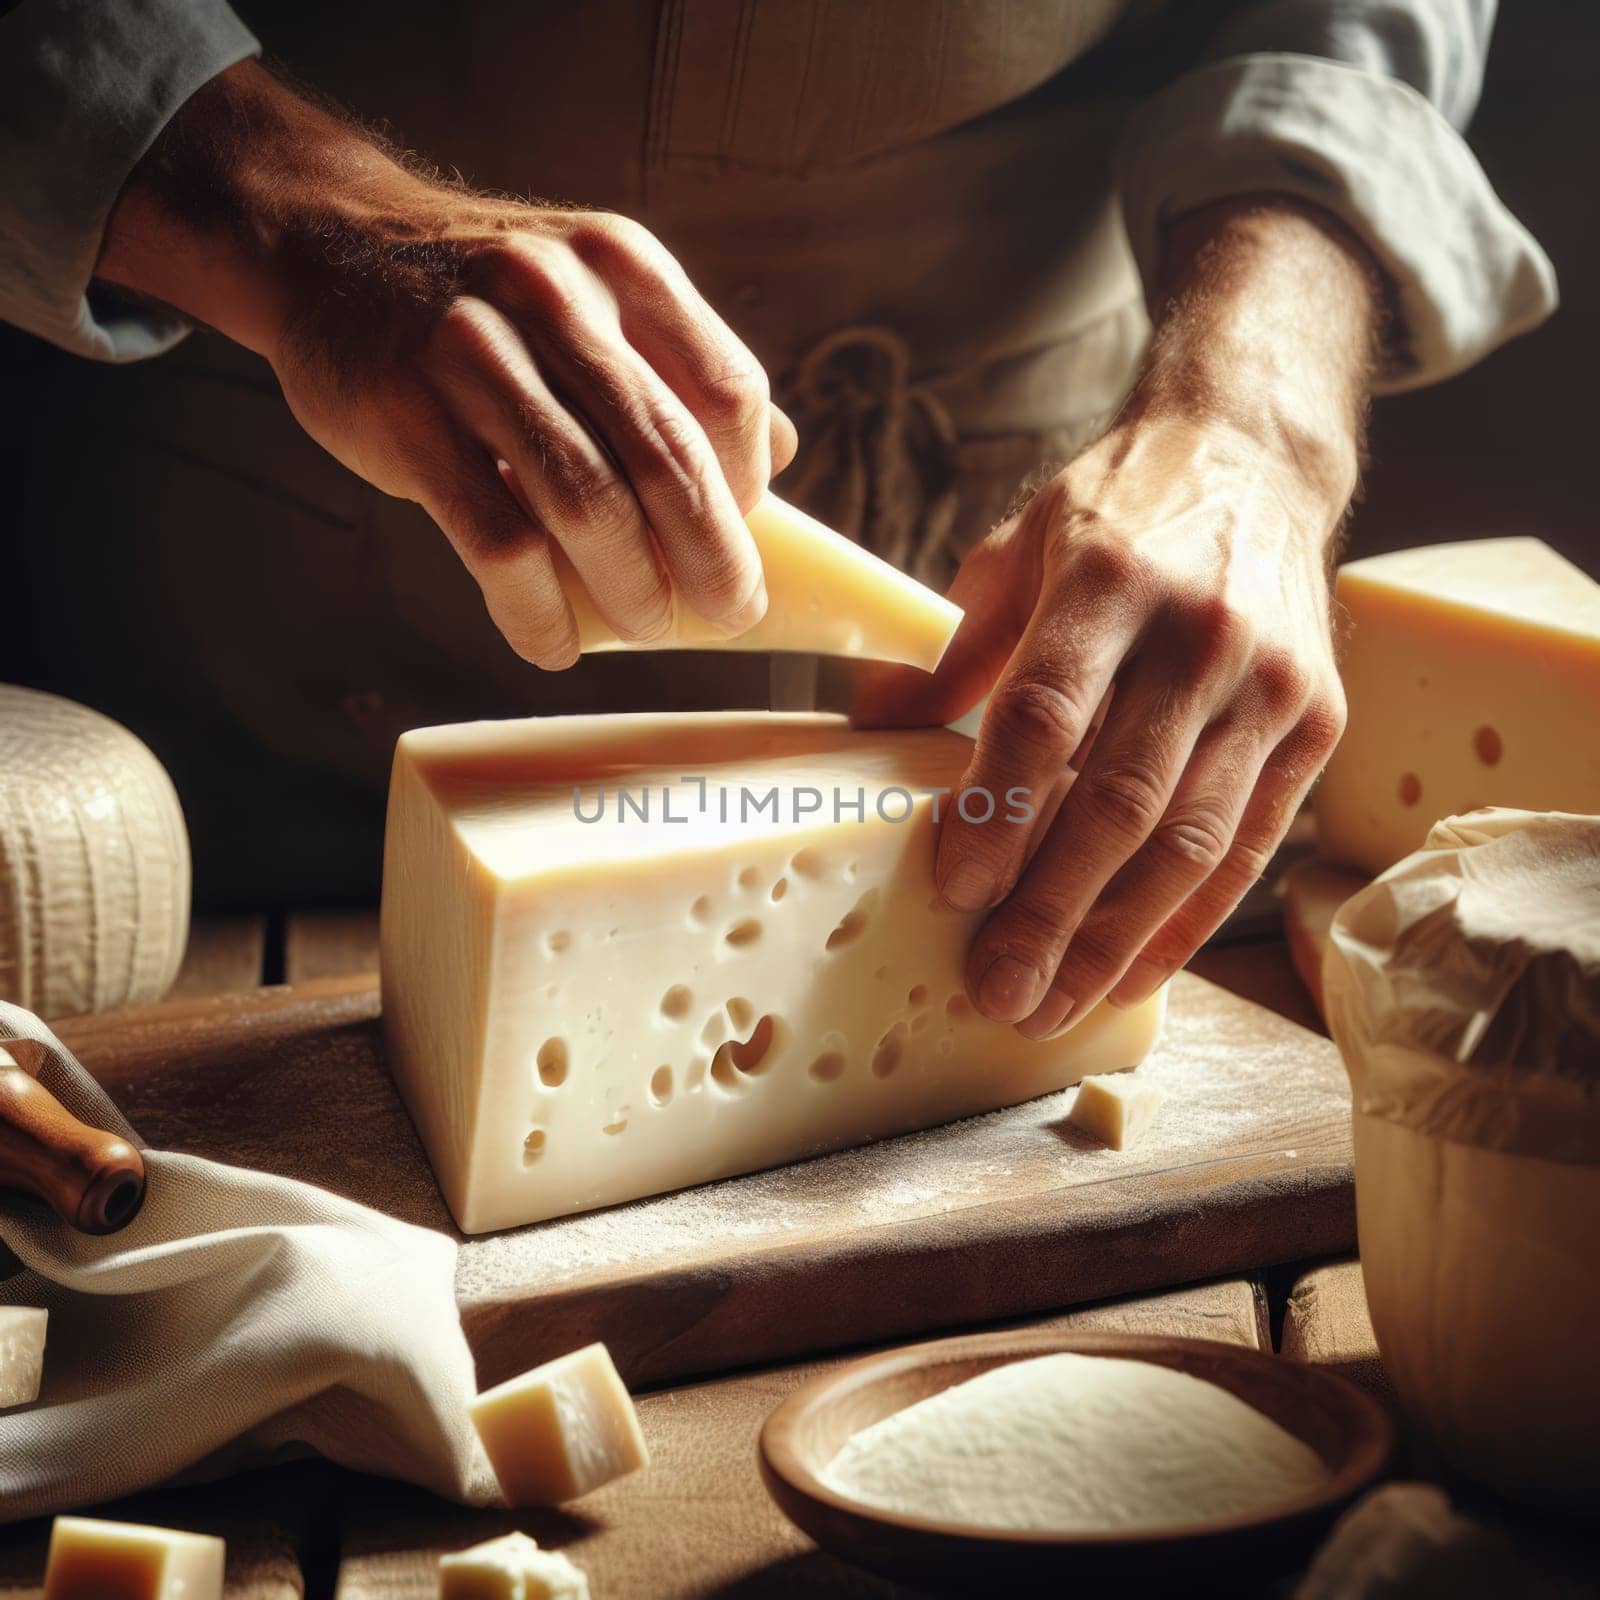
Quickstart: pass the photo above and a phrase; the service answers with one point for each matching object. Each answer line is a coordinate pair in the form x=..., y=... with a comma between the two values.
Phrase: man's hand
x=1174, y=577
x=540, y=379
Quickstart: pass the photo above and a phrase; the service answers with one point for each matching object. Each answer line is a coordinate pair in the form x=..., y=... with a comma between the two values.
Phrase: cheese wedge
x=626, y=954
x=561, y=1430
x=22, y=1330
x=510, y=1568
x=1312, y=892
x=825, y=595
x=1473, y=678
x=1115, y=1109
x=93, y=1560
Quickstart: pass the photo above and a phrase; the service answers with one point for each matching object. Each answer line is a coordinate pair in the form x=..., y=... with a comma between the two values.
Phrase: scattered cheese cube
x=1312, y=893
x=623, y=955
x=511, y=1568
x=561, y=1430
x=92, y=1560
x=21, y=1354
x=1116, y=1110
x=825, y=595
x=1472, y=673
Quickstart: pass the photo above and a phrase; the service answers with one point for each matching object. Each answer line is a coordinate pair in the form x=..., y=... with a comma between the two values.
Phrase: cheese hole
x=779, y=890
x=696, y=1075
x=827, y=1067
x=615, y=1127
x=945, y=1045
x=552, y=1063
x=741, y=1013
x=881, y=974
x=661, y=1085
x=853, y=922
x=1410, y=789
x=750, y=878
x=852, y=870
x=918, y=996
x=890, y=1047
x=675, y=1003
x=714, y=1031
x=700, y=911
x=919, y=1022
x=738, y=1060
x=555, y=943
x=808, y=863
x=533, y=1146
x=1488, y=746
x=743, y=934
x=958, y=1006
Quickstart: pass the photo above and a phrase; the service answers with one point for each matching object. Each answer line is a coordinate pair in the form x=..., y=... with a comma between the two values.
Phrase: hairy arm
x=541, y=379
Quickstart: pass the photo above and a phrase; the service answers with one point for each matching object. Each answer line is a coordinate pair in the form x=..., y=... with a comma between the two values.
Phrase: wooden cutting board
x=1001, y=1215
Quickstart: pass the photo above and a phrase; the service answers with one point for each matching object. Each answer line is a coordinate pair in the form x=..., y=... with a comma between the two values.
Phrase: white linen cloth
x=239, y=1318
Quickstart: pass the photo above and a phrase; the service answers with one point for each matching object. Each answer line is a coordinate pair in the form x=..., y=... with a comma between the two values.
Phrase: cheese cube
x=1116, y=1110
x=511, y=1568
x=622, y=955
x=1312, y=893
x=561, y=1430
x=1473, y=678
x=21, y=1353
x=825, y=594
x=92, y=1560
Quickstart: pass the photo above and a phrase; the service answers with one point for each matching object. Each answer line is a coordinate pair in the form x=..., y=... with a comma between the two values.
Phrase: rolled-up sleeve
x=85, y=87
x=1357, y=108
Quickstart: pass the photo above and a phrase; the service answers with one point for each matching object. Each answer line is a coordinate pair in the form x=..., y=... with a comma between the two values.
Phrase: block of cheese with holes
x=692, y=985
x=825, y=594
x=1473, y=678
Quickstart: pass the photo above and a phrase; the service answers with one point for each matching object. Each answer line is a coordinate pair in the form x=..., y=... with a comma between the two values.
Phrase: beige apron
x=905, y=208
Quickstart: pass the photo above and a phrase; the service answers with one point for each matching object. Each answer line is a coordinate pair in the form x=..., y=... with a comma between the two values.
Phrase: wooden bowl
x=1352, y=1433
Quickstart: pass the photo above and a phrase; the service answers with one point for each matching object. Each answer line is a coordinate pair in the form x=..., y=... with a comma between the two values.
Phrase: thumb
x=996, y=588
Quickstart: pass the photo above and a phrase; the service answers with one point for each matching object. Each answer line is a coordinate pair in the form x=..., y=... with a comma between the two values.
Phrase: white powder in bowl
x=1076, y=1444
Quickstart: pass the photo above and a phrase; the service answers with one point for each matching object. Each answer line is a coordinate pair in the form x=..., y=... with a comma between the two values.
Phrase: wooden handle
x=90, y=1179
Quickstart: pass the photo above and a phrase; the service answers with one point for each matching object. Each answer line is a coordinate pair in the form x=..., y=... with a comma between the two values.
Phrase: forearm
x=1272, y=313
x=249, y=191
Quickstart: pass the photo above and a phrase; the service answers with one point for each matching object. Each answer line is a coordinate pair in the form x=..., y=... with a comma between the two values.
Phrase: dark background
x=1511, y=447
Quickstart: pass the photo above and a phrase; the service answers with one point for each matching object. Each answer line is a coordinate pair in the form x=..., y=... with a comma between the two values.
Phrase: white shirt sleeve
x=85, y=87
x=1355, y=106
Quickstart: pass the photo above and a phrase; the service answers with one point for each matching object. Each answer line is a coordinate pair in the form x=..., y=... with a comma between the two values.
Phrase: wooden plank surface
x=1002, y=1215
x=1326, y=1323
x=697, y=1522
x=224, y=956
x=329, y=944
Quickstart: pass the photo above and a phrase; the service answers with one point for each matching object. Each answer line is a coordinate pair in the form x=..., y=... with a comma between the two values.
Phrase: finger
x=570, y=486
x=461, y=490
x=1280, y=791
x=671, y=325
x=1118, y=799
x=1190, y=842
x=702, y=538
x=1037, y=720
x=784, y=439
x=996, y=589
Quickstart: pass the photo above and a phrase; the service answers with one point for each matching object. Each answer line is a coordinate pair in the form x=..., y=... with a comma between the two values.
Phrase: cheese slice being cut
x=736, y=962
x=94, y=1560
x=825, y=595
x=1472, y=673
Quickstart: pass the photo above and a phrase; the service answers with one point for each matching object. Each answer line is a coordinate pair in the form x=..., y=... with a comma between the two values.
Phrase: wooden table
x=698, y=1524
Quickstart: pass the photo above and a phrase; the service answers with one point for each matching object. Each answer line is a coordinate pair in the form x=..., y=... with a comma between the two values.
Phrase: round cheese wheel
x=94, y=861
